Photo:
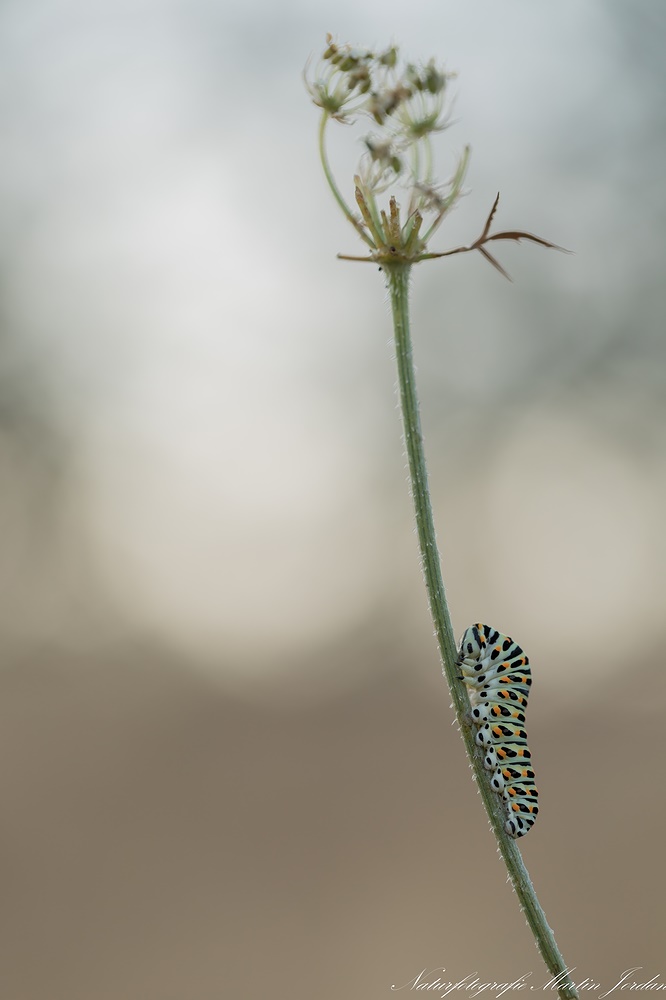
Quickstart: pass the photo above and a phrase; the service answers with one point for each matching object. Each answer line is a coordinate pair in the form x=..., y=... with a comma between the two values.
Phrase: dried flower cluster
x=407, y=105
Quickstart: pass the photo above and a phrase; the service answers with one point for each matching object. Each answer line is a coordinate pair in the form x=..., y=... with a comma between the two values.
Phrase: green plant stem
x=398, y=284
x=328, y=173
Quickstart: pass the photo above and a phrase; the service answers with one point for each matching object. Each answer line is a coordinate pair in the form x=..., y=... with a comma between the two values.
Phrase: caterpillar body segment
x=490, y=711
x=500, y=734
x=511, y=775
x=518, y=826
x=496, y=755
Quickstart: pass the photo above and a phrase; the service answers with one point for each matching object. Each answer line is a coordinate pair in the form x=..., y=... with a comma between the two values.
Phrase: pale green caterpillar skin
x=498, y=676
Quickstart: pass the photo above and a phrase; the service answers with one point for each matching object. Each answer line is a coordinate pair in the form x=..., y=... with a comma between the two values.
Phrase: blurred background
x=228, y=763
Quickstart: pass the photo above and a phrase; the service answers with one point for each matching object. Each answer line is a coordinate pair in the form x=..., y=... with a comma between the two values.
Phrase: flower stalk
x=397, y=278
x=408, y=105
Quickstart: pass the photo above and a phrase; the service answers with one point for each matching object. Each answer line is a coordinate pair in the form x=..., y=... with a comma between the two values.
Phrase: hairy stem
x=328, y=173
x=398, y=284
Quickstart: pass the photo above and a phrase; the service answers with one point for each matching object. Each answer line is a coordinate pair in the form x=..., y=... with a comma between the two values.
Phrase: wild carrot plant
x=406, y=105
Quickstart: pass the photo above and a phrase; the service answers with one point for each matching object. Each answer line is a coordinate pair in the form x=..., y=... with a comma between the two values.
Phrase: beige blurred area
x=229, y=768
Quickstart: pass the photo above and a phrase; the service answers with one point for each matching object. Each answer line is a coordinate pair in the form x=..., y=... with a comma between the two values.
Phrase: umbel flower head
x=406, y=104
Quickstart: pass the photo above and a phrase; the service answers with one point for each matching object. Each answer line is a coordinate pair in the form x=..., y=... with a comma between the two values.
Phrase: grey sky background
x=217, y=388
